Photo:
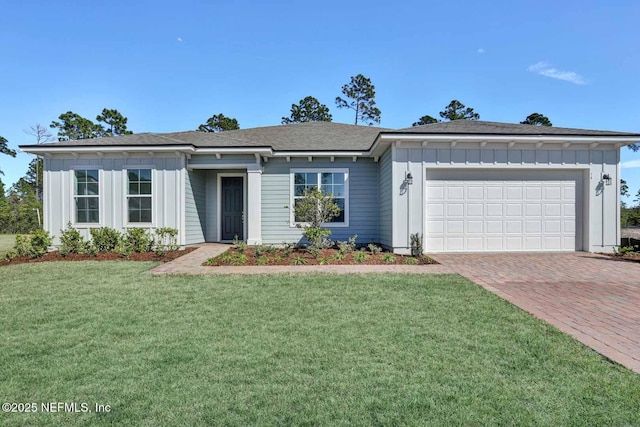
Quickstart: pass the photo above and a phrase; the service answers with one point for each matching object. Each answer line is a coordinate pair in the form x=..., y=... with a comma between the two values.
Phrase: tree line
x=18, y=204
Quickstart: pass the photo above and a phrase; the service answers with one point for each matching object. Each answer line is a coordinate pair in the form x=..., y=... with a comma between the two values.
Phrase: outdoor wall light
x=606, y=178
x=408, y=178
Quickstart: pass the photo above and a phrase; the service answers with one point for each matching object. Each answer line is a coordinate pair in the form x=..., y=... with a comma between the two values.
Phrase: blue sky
x=169, y=66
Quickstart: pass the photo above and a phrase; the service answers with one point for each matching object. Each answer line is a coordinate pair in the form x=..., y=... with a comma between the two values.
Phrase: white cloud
x=481, y=50
x=546, y=69
x=180, y=39
x=629, y=164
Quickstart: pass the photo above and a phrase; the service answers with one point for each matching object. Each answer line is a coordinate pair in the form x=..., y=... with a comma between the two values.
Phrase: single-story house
x=464, y=185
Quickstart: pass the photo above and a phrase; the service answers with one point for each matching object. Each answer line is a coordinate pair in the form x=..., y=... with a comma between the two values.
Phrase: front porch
x=223, y=199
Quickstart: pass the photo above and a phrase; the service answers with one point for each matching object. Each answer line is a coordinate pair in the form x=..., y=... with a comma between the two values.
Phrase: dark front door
x=232, y=215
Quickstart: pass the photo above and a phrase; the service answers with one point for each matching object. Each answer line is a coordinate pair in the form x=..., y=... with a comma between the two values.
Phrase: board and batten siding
x=600, y=203
x=385, y=211
x=59, y=192
x=195, y=206
x=363, y=199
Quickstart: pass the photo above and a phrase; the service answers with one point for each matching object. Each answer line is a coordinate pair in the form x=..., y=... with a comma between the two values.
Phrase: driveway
x=594, y=298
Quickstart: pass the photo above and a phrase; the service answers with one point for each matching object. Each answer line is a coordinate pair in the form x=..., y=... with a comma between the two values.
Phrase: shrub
x=138, y=240
x=262, y=260
x=105, y=239
x=240, y=245
x=416, y=244
x=299, y=261
x=34, y=245
x=388, y=258
x=287, y=249
x=347, y=246
x=166, y=240
x=323, y=260
x=411, y=261
x=338, y=256
x=374, y=249
x=360, y=257
x=72, y=242
x=259, y=250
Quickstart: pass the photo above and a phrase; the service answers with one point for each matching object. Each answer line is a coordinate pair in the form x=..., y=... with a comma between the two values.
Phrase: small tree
x=313, y=211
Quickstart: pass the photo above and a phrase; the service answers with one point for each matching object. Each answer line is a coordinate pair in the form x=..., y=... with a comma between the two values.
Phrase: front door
x=232, y=208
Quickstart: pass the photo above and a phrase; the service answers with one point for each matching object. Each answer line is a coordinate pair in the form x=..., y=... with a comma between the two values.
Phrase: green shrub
x=259, y=250
x=34, y=245
x=416, y=244
x=347, y=246
x=323, y=260
x=105, y=239
x=411, y=261
x=72, y=242
x=262, y=260
x=360, y=257
x=240, y=245
x=374, y=249
x=338, y=256
x=287, y=248
x=314, y=210
x=166, y=240
x=388, y=258
x=138, y=240
x=299, y=261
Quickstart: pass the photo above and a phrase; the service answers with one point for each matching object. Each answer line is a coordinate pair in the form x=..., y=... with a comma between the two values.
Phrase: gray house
x=465, y=185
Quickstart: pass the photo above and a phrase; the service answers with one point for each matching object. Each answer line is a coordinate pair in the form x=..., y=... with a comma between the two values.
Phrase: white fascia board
x=232, y=150
x=533, y=139
x=110, y=149
x=320, y=153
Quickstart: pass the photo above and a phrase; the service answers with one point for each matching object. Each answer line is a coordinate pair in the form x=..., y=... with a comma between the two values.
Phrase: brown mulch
x=326, y=257
x=631, y=256
x=102, y=256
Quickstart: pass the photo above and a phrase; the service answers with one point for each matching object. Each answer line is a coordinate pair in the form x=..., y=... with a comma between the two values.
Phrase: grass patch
x=6, y=243
x=282, y=350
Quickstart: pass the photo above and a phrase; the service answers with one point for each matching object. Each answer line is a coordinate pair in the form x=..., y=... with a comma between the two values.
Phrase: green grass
x=291, y=350
x=6, y=243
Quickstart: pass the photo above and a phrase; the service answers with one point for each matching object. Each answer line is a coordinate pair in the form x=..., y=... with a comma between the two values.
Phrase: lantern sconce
x=408, y=178
x=606, y=178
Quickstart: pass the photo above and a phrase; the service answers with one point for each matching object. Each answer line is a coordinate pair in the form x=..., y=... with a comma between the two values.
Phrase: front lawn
x=290, y=350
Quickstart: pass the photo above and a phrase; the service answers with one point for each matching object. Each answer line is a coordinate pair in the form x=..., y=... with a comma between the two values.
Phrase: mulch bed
x=631, y=256
x=326, y=257
x=102, y=256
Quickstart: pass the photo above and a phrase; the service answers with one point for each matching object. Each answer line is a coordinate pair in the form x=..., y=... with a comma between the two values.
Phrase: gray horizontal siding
x=384, y=196
x=363, y=200
x=195, y=205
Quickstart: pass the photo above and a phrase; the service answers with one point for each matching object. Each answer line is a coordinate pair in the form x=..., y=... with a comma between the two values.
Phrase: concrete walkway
x=594, y=298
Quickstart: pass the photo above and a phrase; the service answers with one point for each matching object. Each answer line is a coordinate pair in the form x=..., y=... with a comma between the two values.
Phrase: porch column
x=254, y=205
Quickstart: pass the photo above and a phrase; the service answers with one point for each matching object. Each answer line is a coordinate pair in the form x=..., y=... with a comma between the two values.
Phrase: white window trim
x=293, y=171
x=125, y=193
x=73, y=212
x=219, y=177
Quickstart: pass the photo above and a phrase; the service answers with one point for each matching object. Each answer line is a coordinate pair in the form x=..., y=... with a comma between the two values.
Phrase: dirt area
x=278, y=256
x=102, y=256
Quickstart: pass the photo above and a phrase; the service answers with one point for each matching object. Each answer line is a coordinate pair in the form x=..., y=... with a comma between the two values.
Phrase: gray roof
x=473, y=127
x=320, y=136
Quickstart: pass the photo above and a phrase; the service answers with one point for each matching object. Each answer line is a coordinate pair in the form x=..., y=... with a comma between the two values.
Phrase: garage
x=495, y=211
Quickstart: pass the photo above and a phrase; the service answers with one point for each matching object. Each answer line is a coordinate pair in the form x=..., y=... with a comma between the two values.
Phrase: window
x=329, y=181
x=139, y=195
x=87, y=197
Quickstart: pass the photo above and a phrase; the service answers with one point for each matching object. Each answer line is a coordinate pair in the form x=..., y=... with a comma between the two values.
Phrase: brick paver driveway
x=594, y=298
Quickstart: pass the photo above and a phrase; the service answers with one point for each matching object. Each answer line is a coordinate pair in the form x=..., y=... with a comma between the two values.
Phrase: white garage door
x=513, y=215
